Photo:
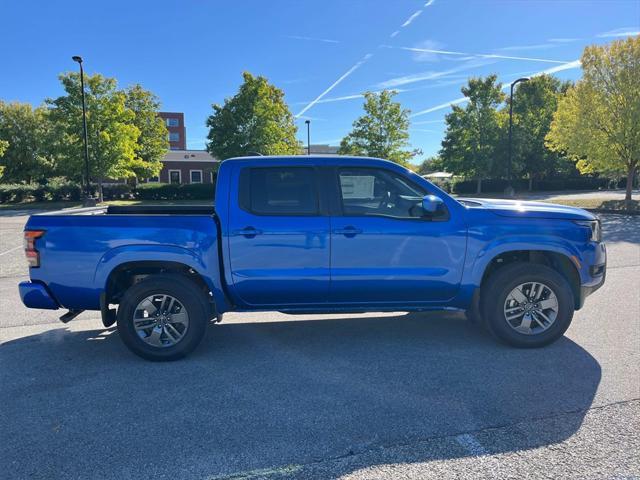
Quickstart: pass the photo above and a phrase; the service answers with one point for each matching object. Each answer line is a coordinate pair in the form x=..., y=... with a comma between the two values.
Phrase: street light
x=509, y=190
x=308, y=122
x=88, y=202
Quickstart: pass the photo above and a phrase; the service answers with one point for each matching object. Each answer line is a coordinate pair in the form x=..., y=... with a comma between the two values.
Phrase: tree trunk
x=100, y=195
x=479, y=186
x=630, y=174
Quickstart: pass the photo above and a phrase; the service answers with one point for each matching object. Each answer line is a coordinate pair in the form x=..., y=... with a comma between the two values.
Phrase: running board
x=70, y=315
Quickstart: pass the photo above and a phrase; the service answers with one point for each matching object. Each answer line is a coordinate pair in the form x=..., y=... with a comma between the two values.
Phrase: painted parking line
x=11, y=250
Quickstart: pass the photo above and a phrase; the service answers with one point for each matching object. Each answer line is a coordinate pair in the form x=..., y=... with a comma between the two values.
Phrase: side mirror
x=431, y=204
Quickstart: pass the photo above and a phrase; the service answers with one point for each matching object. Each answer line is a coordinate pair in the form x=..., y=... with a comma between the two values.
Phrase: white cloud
x=620, y=32
x=312, y=39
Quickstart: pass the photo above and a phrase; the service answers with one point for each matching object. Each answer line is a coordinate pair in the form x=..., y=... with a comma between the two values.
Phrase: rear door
x=279, y=237
x=383, y=249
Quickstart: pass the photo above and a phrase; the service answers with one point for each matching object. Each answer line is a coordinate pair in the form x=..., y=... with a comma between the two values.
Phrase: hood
x=523, y=209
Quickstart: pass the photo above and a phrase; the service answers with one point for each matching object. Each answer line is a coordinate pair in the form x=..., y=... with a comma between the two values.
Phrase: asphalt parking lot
x=272, y=396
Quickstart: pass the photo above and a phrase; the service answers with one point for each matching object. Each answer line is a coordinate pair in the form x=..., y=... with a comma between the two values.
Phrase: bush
x=174, y=191
x=498, y=185
x=117, y=191
x=16, y=192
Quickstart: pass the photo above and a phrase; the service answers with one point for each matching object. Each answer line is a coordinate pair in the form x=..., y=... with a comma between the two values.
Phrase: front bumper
x=36, y=295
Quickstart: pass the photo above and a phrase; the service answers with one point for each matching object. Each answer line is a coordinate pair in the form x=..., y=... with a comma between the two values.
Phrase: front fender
x=503, y=245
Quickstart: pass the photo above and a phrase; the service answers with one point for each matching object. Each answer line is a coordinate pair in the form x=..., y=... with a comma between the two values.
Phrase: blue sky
x=323, y=53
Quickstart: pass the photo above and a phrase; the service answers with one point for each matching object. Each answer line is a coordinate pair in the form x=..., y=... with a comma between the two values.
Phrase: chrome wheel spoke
x=549, y=303
x=518, y=296
x=172, y=333
x=180, y=317
x=144, y=323
x=154, y=337
x=538, y=308
x=148, y=306
x=525, y=326
x=156, y=323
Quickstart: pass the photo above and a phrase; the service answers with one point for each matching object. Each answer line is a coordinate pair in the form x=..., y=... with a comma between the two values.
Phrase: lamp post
x=509, y=190
x=88, y=201
x=308, y=122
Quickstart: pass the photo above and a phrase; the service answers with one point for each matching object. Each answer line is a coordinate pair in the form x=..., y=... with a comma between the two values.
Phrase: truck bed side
x=79, y=252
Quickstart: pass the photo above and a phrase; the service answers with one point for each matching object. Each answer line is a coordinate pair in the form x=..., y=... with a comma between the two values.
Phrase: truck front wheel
x=163, y=318
x=527, y=305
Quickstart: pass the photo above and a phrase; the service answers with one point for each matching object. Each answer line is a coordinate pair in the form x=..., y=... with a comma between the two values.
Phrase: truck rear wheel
x=163, y=318
x=527, y=305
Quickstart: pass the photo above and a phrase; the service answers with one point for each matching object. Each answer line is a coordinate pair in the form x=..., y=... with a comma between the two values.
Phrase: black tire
x=188, y=293
x=501, y=283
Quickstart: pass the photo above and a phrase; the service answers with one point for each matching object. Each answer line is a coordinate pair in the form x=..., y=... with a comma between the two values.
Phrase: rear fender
x=161, y=253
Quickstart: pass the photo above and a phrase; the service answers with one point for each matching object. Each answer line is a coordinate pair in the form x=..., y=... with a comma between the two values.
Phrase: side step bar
x=70, y=315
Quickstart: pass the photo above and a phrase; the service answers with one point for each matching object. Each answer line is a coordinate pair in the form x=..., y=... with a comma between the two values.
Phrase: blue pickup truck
x=315, y=235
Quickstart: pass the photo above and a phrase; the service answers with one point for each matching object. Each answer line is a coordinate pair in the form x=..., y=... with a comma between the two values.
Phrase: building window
x=153, y=179
x=175, y=176
x=172, y=147
x=173, y=122
x=174, y=137
x=196, y=176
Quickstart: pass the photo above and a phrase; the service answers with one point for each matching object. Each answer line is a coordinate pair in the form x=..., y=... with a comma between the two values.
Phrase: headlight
x=594, y=226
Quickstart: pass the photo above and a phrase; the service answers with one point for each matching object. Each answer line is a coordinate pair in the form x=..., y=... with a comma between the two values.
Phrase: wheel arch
x=121, y=265
x=560, y=261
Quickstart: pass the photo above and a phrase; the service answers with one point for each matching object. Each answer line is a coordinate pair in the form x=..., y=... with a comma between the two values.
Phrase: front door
x=384, y=250
x=278, y=238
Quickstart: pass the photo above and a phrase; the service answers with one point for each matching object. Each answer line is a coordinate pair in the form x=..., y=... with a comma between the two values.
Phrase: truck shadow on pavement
x=266, y=400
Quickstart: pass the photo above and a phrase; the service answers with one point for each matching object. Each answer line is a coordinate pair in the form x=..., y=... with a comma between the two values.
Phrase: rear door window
x=279, y=191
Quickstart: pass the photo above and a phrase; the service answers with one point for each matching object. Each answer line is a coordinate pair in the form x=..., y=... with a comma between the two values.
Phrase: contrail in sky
x=548, y=71
x=362, y=61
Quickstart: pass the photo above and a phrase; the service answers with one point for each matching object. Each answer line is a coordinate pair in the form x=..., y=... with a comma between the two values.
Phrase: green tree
x=598, y=121
x=112, y=134
x=429, y=165
x=473, y=142
x=534, y=104
x=24, y=134
x=153, y=142
x=256, y=119
x=383, y=130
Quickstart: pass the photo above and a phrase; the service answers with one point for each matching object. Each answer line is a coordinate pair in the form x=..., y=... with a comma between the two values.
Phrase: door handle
x=248, y=232
x=348, y=231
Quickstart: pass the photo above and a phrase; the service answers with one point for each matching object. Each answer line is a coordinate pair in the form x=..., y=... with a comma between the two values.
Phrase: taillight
x=33, y=256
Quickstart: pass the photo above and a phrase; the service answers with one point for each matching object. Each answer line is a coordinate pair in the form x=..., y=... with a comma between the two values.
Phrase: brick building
x=179, y=164
x=187, y=166
x=177, y=131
